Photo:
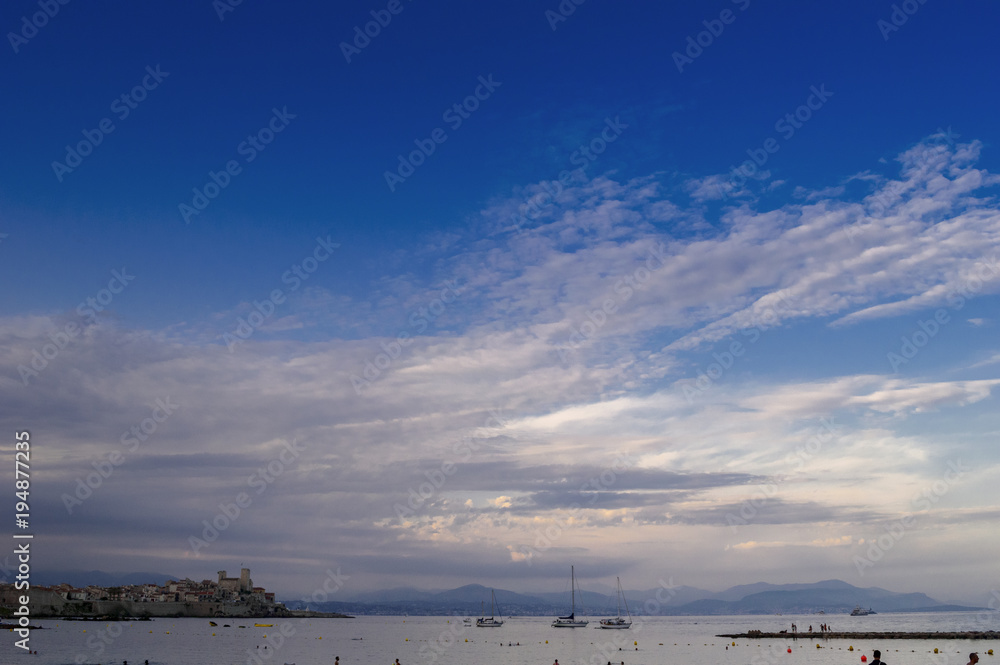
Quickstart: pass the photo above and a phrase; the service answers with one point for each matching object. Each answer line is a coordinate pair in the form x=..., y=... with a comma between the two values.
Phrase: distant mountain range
x=83, y=578
x=829, y=596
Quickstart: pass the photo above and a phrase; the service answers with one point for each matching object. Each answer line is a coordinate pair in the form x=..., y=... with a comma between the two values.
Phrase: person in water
x=877, y=658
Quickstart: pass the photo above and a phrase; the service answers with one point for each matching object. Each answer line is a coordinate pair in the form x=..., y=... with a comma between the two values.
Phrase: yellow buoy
x=734, y=643
x=935, y=650
x=990, y=652
x=850, y=648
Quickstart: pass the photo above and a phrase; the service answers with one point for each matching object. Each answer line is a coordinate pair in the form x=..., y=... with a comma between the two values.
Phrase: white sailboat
x=492, y=621
x=619, y=622
x=571, y=621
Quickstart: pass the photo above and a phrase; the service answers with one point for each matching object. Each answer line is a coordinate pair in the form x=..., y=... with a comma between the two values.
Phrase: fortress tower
x=246, y=584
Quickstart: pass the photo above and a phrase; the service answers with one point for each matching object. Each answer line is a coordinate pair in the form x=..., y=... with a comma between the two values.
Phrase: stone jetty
x=866, y=635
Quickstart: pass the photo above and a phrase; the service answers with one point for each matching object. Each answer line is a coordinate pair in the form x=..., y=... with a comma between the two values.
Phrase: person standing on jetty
x=877, y=658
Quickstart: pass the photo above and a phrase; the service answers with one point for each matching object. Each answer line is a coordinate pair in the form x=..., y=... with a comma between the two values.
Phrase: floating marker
x=935, y=650
x=789, y=649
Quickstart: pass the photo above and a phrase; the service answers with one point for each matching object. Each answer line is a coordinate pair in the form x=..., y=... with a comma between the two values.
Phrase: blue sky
x=654, y=246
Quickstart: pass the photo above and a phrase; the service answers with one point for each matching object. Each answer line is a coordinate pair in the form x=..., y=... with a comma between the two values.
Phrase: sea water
x=380, y=640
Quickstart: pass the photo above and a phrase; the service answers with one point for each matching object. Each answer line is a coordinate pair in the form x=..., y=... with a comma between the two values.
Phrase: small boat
x=264, y=625
x=859, y=612
x=490, y=622
x=212, y=623
x=571, y=621
x=619, y=622
x=467, y=620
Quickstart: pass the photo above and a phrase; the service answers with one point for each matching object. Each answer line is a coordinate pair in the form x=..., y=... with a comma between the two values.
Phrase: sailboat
x=492, y=622
x=571, y=621
x=619, y=622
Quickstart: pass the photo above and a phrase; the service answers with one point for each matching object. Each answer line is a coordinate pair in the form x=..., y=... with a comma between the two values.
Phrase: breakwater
x=871, y=635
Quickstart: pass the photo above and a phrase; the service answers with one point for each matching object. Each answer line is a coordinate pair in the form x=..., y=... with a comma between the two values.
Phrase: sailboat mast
x=572, y=592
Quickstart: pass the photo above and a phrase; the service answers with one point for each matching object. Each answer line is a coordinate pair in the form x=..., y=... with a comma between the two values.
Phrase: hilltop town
x=224, y=597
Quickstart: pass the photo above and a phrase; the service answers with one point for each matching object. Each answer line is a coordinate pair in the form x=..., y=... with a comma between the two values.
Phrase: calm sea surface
x=447, y=641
